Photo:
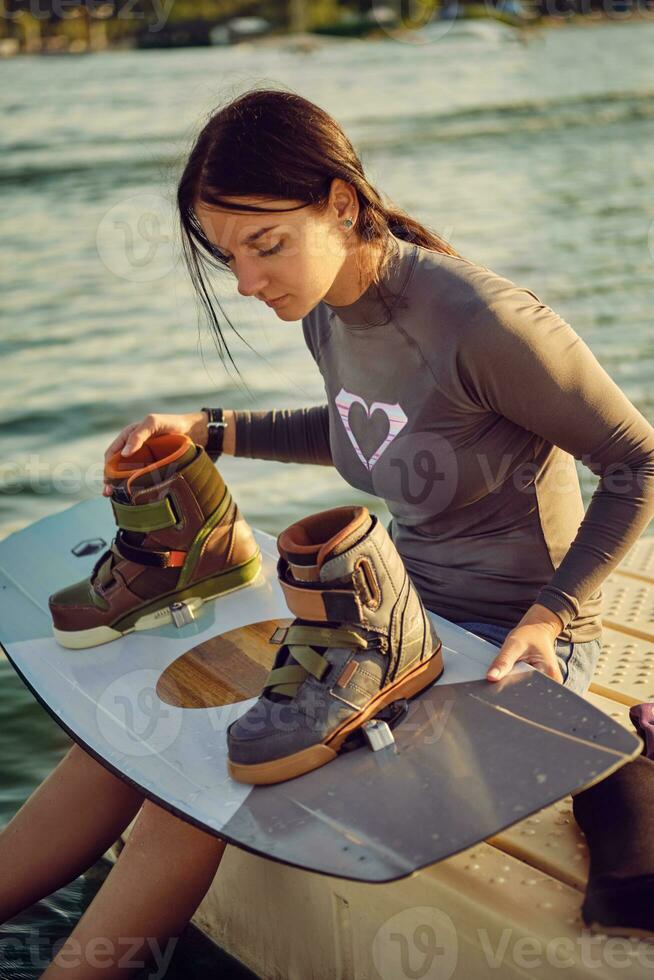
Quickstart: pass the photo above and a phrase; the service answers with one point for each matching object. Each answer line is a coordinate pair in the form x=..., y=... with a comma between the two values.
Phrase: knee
x=83, y=760
x=156, y=823
x=79, y=755
x=152, y=817
x=98, y=777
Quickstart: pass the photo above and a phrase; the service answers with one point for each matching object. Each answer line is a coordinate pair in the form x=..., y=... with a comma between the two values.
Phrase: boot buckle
x=182, y=614
x=378, y=734
x=377, y=731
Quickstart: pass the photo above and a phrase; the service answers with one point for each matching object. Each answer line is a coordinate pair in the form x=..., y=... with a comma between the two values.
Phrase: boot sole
x=157, y=612
x=278, y=770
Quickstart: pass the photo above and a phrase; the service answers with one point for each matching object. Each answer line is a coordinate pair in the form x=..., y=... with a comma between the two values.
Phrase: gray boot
x=361, y=640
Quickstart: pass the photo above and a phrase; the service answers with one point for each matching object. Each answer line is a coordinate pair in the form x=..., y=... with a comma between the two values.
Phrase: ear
x=343, y=200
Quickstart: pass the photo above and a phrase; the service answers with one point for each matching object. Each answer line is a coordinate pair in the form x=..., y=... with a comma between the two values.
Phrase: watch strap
x=216, y=428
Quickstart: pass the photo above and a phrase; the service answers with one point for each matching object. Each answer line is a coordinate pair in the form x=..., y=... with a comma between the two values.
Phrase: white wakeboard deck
x=470, y=758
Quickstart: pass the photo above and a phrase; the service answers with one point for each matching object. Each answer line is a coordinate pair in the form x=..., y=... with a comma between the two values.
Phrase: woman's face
x=296, y=257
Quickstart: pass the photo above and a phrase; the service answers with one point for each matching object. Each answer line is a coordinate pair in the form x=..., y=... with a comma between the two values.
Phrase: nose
x=251, y=280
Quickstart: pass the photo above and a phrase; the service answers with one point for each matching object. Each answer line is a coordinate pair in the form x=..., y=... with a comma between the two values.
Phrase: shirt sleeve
x=523, y=361
x=288, y=435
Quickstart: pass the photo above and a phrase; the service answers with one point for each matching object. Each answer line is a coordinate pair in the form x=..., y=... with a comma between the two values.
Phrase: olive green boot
x=181, y=542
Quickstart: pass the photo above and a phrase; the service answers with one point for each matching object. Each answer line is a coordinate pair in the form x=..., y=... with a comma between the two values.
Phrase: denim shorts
x=577, y=661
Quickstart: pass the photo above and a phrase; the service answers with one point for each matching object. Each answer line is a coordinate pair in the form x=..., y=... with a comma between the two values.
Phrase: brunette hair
x=275, y=144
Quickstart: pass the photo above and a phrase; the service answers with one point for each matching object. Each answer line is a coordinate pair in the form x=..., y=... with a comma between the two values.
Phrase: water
x=534, y=159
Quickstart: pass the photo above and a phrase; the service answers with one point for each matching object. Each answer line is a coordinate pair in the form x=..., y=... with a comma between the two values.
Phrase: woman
x=453, y=394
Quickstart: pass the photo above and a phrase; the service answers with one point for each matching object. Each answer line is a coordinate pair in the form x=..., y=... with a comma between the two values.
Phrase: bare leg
x=66, y=825
x=144, y=904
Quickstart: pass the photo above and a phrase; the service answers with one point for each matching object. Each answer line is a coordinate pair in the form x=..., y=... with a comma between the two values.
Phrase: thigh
x=578, y=662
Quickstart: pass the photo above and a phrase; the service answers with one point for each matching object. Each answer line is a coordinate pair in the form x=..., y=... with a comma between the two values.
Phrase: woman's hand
x=533, y=640
x=192, y=424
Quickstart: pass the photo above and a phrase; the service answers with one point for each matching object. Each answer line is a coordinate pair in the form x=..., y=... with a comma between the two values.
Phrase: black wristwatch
x=217, y=426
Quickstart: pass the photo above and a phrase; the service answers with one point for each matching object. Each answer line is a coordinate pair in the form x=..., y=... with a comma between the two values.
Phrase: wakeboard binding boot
x=361, y=640
x=181, y=541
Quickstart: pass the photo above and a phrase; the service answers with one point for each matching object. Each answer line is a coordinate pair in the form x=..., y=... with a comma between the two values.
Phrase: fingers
x=135, y=439
x=128, y=441
x=555, y=673
x=132, y=437
x=120, y=440
x=498, y=669
x=503, y=664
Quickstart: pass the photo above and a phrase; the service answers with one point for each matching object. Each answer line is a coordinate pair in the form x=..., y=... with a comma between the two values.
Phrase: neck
x=367, y=307
x=352, y=281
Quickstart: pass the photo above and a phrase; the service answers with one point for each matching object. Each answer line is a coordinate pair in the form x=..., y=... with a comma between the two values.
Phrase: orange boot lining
x=155, y=452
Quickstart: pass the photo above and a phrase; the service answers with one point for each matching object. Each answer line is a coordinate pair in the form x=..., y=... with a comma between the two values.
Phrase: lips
x=276, y=302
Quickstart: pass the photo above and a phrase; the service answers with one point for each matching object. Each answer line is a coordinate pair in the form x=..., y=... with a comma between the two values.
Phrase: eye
x=228, y=259
x=272, y=251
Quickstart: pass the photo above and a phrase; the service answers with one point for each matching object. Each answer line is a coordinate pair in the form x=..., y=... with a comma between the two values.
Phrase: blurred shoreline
x=100, y=26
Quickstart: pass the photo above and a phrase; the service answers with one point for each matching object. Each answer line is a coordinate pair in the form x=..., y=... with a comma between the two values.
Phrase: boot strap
x=318, y=635
x=101, y=572
x=154, y=516
x=146, y=556
x=324, y=605
x=287, y=679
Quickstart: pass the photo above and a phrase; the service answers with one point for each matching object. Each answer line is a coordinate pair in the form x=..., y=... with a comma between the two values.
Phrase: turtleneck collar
x=369, y=310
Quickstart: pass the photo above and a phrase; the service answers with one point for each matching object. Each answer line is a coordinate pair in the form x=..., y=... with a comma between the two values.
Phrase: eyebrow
x=250, y=238
x=257, y=234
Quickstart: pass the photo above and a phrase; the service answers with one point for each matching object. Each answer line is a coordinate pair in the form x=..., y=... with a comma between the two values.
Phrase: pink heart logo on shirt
x=397, y=419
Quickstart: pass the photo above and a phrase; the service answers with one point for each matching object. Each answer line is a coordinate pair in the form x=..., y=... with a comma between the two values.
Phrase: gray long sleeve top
x=463, y=408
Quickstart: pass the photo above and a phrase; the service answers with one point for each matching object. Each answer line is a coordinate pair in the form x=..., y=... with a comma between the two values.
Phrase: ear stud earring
x=348, y=222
